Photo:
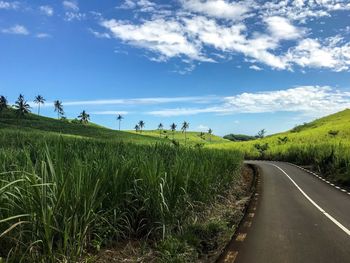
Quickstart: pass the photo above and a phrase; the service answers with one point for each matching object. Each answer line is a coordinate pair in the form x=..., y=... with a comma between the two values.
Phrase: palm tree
x=119, y=118
x=185, y=126
x=210, y=131
x=59, y=108
x=21, y=106
x=141, y=125
x=39, y=100
x=137, y=127
x=160, y=128
x=173, y=129
x=3, y=103
x=84, y=117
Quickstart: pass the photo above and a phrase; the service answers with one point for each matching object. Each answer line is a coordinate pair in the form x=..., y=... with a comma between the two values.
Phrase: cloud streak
x=308, y=100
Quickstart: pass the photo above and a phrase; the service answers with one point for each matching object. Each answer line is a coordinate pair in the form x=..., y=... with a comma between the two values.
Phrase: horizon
x=235, y=67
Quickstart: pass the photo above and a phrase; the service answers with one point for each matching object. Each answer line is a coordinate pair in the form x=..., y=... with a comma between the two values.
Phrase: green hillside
x=32, y=123
x=191, y=136
x=324, y=144
x=334, y=128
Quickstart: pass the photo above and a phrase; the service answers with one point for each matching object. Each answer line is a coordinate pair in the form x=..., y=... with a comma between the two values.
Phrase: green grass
x=323, y=143
x=192, y=138
x=44, y=125
x=69, y=189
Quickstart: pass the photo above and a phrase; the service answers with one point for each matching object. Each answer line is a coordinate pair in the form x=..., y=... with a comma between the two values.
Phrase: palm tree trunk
x=39, y=109
x=119, y=125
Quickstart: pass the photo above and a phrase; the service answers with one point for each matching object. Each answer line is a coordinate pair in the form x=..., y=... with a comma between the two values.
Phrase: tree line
x=22, y=107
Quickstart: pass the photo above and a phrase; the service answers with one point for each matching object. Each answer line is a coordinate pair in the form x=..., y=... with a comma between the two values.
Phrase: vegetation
x=3, y=103
x=84, y=117
x=119, y=119
x=58, y=108
x=21, y=106
x=324, y=144
x=192, y=138
x=239, y=137
x=39, y=100
x=61, y=197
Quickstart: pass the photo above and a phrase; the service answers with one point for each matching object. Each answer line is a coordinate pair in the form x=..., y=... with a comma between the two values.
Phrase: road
x=295, y=217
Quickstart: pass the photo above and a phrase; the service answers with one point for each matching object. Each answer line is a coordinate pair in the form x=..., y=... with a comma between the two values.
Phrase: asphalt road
x=295, y=217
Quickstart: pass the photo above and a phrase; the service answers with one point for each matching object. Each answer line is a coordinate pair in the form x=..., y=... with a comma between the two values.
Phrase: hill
x=32, y=123
x=323, y=144
x=192, y=138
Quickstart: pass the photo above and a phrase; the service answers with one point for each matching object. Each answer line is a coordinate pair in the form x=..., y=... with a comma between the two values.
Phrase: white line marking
x=347, y=231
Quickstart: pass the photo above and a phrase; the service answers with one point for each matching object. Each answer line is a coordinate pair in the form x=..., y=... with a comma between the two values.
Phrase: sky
x=232, y=66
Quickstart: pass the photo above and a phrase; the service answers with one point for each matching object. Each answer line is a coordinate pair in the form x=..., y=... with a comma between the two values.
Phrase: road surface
x=295, y=217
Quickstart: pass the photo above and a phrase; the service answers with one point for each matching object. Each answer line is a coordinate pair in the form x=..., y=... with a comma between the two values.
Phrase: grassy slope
x=48, y=126
x=192, y=137
x=308, y=144
x=315, y=132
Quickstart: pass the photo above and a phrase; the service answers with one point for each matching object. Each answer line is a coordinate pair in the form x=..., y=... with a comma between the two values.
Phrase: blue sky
x=233, y=66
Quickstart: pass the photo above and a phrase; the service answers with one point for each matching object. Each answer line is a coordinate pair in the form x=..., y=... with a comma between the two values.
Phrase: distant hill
x=192, y=137
x=39, y=124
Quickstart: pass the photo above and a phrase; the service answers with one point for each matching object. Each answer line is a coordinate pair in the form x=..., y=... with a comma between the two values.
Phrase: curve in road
x=295, y=217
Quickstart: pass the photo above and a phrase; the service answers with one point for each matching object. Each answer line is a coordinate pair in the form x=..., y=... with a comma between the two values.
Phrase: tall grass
x=61, y=197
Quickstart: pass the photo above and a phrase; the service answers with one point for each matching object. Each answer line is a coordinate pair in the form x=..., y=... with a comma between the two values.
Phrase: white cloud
x=164, y=37
x=16, y=30
x=9, y=5
x=281, y=28
x=217, y=8
x=308, y=100
x=71, y=5
x=70, y=16
x=143, y=101
x=100, y=34
x=46, y=10
x=255, y=67
x=198, y=30
x=311, y=53
x=43, y=35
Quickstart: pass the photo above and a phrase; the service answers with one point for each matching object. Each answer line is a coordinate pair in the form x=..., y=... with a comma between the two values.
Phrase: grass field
x=192, y=138
x=323, y=143
x=68, y=189
x=44, y=125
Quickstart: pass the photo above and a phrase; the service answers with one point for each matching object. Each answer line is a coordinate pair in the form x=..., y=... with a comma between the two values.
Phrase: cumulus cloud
x=16, y=30
x=217, y=8
x=162, y=36
x=333, y=53
x=281, y=28
x=214, y=30
x=46, y=10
